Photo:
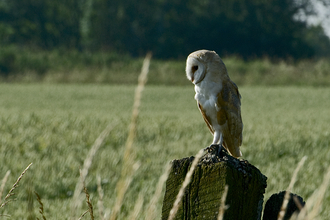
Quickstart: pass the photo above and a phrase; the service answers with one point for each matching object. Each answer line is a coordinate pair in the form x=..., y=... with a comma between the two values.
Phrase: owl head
x=202, y=63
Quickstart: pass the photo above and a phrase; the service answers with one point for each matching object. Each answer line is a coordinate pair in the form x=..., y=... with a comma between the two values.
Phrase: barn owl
x=217, y=98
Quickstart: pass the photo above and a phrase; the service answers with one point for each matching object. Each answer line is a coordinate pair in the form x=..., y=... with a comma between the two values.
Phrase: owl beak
x=192, y=78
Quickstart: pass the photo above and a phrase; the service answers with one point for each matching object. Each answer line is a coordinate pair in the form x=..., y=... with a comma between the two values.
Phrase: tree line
x=168, y=28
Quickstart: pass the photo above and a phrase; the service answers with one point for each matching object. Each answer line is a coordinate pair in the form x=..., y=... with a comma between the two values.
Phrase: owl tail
x=236, y=152
x=233, y=150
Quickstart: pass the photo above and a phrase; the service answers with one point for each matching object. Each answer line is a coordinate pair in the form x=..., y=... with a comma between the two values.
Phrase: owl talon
x=213, y=148
x=216, y=149
x=222, y=149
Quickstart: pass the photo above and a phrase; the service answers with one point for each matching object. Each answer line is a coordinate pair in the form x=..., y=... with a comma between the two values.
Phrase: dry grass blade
x=289, y=189
x=128, y=158
x=184, y=185
x=10, y=193
x=223, y=207
x=315, y=201
x=121, y=188
x=137, y=207
x=151, y=212
x=82, y=215
x=3, y=183
x=321, y=192
x=100, y=201
x=90, y=206
x=87, y=163
x=297, y=202
x=41, y=208
x=137, y=102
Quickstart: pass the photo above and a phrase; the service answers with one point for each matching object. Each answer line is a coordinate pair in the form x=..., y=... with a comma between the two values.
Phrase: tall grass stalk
x=185, y=183
x=320, y=195
x=90, y=206
x=87, y=163
x=137, y=207
x=223, y=207
x=10, y=193
x=151, y=211
x=3, y=183
x=289, y=189
x=312, y=208
x=41, y=208
x=129, y=155
x=82, y=215
x=100, y=201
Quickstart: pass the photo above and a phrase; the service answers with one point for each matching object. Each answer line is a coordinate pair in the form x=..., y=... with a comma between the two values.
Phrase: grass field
x=23, y=65
x=54, y=125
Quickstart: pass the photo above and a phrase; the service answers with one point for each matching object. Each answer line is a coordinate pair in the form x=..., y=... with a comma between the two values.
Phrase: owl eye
x=194, y=68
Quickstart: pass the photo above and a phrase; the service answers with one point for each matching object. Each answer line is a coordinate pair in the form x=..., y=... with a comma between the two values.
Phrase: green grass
x=61, y=66
x=54, y=126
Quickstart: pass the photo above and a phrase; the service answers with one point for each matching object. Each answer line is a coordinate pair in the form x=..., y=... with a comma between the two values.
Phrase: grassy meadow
x=54, y=126
x=22, y=65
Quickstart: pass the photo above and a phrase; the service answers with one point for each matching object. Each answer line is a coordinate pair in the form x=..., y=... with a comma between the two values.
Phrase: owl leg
x=220, y=144
x=217, y=138
x=221, y=139
x=217, y=142
x=217, y=146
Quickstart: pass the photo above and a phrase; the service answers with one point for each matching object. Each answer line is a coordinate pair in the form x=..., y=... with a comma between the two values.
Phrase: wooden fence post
x=202, y=197
x=274, y=204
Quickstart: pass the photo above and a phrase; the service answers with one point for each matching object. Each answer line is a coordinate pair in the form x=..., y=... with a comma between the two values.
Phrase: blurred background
x=36, y=34
x=68, y=68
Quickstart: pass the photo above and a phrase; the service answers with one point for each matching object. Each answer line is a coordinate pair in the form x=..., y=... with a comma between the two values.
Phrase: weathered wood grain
x=203, y=195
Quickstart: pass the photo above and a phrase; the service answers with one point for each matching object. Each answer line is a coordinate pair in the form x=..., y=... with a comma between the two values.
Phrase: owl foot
x=216, y=149
x=212, y=148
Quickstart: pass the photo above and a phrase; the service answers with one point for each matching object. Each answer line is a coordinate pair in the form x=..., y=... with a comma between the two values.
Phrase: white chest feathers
x=207, y=96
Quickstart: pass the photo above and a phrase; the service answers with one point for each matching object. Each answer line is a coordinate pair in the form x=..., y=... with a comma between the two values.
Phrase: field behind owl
x=54, y=126
x=30, y=66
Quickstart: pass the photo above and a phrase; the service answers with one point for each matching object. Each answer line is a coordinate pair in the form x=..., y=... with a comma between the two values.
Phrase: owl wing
x=229, y=117
x=205, y=117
